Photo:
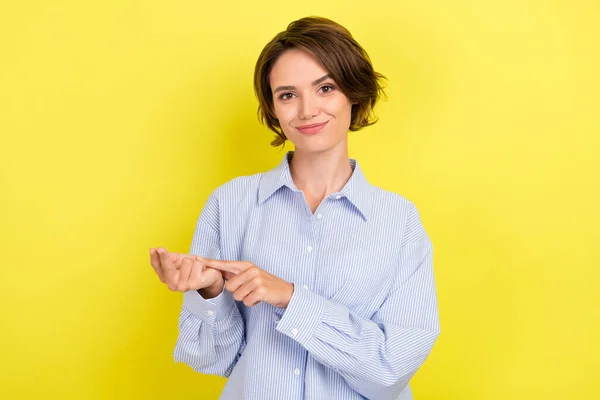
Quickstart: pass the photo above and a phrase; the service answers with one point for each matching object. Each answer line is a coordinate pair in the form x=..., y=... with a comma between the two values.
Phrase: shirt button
x=319, y=216
x=305, y=287
x=309, y=249
x=210, y=312
x=294, y=331
x=297, y=371
x=338, y=197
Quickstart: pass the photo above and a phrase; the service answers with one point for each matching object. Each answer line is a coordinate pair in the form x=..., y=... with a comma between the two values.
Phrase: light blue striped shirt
x=363, y=316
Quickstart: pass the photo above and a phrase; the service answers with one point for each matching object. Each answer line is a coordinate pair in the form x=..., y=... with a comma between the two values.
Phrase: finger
x=197, y=277
x=184, y=274
x=254, y=298
x=155, y=262
x=234, y=283
x=167, y=266
x=228, y=266
x=227, y=275
x=240, y=293
x=179, y=257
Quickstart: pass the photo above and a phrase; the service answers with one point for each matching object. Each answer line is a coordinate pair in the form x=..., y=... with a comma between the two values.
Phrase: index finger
x=234, y=267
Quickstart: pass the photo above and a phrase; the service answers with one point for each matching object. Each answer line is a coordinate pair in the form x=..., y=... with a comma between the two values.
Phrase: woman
x=334, y=296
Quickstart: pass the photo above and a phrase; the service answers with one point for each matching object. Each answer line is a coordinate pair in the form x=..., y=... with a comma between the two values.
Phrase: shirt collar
x=357, y=190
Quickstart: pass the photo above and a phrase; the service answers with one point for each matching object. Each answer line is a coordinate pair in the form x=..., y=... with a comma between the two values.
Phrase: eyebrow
x=282, y=88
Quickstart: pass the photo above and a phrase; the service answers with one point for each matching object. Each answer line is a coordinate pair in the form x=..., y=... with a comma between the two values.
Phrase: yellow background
x=118, y=118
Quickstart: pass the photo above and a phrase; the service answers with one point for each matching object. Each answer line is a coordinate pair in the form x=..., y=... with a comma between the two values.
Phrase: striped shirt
x=363, y=315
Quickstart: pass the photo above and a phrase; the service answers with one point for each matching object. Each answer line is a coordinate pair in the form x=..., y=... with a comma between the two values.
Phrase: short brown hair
x=344, y=59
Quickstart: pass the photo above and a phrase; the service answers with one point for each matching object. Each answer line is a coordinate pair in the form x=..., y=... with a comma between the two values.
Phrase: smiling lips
x=312, y=128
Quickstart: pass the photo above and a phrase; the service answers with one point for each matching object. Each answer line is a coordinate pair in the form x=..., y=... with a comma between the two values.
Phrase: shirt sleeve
x=211, y=332
x=377, y=357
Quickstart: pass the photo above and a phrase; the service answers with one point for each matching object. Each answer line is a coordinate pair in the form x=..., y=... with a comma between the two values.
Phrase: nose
x=308, y=107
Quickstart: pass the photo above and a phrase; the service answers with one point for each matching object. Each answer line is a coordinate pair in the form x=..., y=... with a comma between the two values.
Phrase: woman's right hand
x=184, y=272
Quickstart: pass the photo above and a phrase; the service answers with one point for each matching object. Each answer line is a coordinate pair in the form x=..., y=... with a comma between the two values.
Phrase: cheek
x=284, y=113
x=341, y=108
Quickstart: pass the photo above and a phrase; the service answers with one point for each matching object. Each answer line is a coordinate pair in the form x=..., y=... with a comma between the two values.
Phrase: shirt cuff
x=212, y=311
x=302, y=315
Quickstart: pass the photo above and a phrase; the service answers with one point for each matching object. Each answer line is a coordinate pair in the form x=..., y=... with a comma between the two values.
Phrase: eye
x=286, y=96
x=326, y=88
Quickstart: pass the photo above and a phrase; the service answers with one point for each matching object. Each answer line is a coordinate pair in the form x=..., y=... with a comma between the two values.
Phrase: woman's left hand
x=250, y=284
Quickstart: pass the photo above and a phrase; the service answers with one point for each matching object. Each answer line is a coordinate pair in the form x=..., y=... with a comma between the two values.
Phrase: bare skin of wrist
x=212, y=291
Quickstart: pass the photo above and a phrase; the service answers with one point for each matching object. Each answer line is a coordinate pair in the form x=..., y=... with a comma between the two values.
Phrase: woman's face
x=312, y=112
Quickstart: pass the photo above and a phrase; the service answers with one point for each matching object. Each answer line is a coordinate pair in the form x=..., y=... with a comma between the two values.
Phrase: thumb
x=179, y=257
x=227, y=275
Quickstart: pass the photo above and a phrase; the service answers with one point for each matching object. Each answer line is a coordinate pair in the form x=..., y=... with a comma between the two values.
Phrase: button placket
x=316, y=221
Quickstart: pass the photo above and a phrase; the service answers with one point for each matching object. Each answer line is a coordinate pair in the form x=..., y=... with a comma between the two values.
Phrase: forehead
x=296, y=67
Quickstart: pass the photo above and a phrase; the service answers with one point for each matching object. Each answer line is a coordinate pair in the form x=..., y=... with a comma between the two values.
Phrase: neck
x=322, y=173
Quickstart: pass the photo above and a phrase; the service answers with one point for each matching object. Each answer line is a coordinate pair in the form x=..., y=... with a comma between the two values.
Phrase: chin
x=322, y=142
x=319, y=147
